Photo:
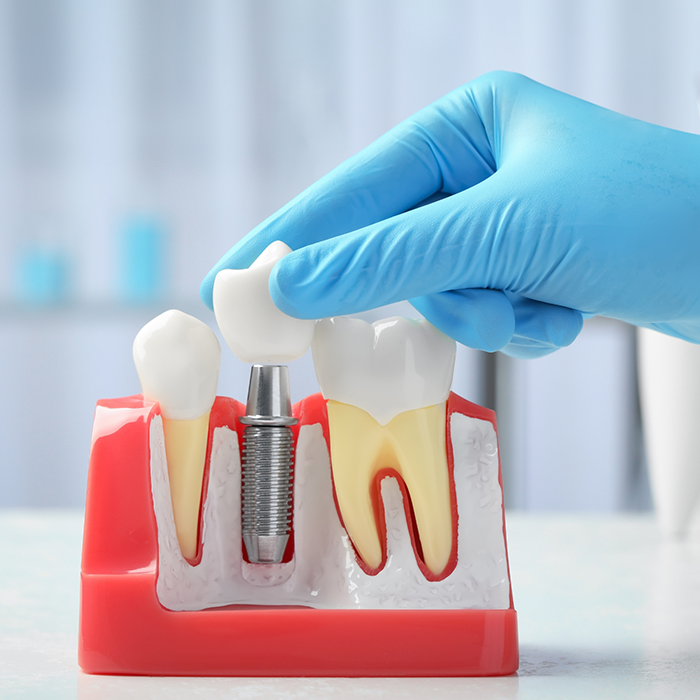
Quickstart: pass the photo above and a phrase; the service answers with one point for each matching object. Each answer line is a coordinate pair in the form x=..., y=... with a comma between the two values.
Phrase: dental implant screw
x=267, y=464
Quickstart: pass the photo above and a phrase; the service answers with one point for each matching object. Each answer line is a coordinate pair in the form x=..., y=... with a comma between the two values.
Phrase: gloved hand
x=540, y=208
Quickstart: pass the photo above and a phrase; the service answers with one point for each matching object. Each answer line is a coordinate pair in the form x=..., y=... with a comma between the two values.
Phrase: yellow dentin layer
x=185, y=451
x=413, y=444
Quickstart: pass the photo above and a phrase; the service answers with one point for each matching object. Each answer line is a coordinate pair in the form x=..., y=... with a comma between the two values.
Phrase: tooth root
x=185, y=451
x=353, y=462
x=413, y=443
x=420, y=445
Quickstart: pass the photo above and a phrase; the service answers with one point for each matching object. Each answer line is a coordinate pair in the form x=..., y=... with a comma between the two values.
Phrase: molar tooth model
x=396, y=564
x=387, y=385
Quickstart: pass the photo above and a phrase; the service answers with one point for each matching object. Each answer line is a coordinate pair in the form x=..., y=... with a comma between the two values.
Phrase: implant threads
x=267, y=465
x=268, y=461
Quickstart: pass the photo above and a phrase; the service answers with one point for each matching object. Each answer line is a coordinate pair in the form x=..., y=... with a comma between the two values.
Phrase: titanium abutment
x=267, y=465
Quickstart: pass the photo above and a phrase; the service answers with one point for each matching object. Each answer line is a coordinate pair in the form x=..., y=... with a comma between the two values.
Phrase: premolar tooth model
x=257, y=331
x=387, y=385
x=177, y=358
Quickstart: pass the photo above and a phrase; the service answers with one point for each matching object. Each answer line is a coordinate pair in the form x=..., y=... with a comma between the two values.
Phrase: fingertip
x=541, y=328
x=478, y=318
x=568, y=328
x=562, y=325
x=206, y=290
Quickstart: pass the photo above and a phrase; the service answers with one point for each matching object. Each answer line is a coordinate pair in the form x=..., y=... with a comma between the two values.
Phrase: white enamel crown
x=385, y=368
x=253, y=327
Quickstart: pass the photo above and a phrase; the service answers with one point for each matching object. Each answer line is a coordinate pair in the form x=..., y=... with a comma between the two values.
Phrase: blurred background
x=140, y=139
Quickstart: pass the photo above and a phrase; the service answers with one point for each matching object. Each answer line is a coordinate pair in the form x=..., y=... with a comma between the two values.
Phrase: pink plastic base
x=125, y=630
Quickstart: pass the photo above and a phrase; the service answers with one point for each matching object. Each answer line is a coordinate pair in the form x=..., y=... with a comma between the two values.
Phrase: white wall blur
x=204, y=116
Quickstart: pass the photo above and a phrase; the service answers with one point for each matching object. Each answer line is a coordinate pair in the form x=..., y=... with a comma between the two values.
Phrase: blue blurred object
x=42, y=275
x=142, y=260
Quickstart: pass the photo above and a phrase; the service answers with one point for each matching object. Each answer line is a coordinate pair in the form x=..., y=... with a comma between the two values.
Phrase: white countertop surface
x=607, y=609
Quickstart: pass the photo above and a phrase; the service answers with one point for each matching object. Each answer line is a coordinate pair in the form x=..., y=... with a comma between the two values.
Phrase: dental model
x=386, y=385
x=177, y=358
x=252, y=326
x=397, y=564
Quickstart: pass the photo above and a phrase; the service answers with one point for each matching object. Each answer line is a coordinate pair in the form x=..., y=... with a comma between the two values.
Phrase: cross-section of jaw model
x=397, y=504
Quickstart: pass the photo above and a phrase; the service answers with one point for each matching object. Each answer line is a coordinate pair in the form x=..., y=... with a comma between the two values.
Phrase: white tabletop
x=607, y=609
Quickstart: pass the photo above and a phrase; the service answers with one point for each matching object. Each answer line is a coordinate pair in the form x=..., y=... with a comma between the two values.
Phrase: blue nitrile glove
x=558, y=208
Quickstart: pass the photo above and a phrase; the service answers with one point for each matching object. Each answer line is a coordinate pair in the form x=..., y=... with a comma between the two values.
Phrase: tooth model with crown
x=387, y=386
x=397, y=506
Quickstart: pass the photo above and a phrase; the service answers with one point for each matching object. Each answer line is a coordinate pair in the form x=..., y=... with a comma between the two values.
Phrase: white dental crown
x=253, y=327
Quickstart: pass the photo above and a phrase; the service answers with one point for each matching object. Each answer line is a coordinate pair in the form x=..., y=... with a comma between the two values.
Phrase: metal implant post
x=268, y=462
